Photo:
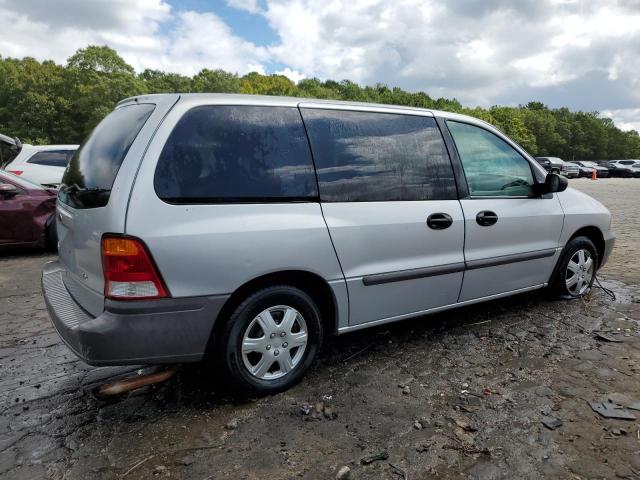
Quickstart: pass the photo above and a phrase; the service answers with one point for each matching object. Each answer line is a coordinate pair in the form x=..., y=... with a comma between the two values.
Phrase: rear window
x=373, y=157
x=52, y=158
x=93, y=168
x=7, y=154
x=227, y=154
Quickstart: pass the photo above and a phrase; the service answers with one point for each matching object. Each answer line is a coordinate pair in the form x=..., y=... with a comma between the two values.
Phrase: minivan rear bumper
x=172, y=330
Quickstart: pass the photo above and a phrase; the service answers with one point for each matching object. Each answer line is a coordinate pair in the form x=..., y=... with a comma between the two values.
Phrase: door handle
x=439, y=221
x=486, y=218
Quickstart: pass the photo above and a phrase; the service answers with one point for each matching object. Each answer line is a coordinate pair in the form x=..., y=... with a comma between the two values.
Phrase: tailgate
x=94, y=194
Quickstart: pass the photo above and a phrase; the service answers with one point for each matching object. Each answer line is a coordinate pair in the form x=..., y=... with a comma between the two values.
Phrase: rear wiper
x=81, y=190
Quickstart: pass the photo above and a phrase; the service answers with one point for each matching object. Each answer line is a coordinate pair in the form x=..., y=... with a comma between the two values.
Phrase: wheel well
x=595, y=235
x=313, y=285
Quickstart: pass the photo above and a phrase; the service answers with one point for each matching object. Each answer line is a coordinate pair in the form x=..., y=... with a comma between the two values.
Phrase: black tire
x=241, y=319
x=558, y=286
x=51, y=234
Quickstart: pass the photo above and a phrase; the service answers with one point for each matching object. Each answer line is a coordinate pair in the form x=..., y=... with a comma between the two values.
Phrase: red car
x=27, y=213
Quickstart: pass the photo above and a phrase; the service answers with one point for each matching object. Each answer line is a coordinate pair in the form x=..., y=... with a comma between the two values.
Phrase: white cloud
x=201, y=40
x=626, y=119
x=55, y=30
x=292, y=75
x=584, y=54
x=193, y=41
x=250, y=6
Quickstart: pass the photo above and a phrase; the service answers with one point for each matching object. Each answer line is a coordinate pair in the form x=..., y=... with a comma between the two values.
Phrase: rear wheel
x=576, y=268
x=271, y=340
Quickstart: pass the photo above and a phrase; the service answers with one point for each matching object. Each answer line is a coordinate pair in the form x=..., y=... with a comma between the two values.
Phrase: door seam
x=464, y=249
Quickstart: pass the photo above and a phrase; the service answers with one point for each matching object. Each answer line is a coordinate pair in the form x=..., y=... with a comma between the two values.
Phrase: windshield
x=93, y=168
x=23, y=182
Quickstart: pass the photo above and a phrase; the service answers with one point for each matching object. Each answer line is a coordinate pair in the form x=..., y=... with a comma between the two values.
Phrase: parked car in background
x=584, y=172
x=285, y=220
x=27, y=213
x=570, y=170
x=557, y=165
x=43, y=164
x=550, y=164
x=616, y=170
x=633, y=167
x=9, y=148
x=544, y=163
x=587, y=168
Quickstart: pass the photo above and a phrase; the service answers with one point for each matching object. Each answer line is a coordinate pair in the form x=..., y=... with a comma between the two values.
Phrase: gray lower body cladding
x=609, y=242
x=128, y=333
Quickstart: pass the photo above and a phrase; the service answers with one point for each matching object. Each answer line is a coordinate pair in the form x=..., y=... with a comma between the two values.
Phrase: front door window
x=493, y=167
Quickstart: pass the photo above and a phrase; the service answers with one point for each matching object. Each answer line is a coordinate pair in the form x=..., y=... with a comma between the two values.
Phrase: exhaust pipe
x=139, y=381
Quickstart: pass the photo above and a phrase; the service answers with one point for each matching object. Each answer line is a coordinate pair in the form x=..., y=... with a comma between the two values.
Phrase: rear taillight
x=16, y=172
x=129, y=272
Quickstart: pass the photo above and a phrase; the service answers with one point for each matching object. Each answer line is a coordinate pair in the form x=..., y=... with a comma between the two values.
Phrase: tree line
x=44, y=102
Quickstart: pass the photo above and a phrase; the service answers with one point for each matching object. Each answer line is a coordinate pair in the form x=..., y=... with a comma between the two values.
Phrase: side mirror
x=8, y=190
x=554, y=183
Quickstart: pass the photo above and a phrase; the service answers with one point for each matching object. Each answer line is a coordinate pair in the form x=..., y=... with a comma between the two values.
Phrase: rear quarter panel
x=214, y=249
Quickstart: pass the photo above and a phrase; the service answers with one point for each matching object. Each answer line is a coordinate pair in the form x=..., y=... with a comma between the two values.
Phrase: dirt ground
x=462, y=394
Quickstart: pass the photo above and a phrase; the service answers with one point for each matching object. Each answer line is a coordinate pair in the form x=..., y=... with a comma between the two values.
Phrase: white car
x=43, y=164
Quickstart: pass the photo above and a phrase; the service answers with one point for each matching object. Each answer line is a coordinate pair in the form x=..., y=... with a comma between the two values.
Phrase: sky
x=582, y=54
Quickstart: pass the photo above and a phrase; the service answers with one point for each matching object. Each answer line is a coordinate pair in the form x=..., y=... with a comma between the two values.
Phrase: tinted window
x=7, y=154
x=236, y=153
x=52, y=158
x=491, y=165
x=90, y=175
x=368, y=157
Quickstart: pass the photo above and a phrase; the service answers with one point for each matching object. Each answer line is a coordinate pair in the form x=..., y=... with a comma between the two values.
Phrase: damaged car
x=243, y=230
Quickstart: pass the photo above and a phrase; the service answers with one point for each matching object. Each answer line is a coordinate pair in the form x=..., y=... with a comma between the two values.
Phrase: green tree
x=257, y=84
x=161, y=82
x=542, y=124
x=96, y=80
x=99, y=59
x=216, y=81
x=510, y=120
x=42, y=102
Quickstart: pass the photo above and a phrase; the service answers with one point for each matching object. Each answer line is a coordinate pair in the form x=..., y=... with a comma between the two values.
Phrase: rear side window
x=220, y=153
x=52, y=158
x=373, y=157
x=93, y=168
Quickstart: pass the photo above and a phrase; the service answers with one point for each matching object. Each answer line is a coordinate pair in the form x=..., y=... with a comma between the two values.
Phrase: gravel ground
x=462, y=394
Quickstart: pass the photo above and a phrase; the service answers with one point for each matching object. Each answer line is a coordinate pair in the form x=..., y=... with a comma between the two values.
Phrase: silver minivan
x=246, y=228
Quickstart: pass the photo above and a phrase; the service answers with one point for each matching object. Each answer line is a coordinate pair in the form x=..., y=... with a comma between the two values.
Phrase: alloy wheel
x=274, y=342
x=579, y=272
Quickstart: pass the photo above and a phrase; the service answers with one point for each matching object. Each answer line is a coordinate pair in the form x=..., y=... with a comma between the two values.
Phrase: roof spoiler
x=12, y=142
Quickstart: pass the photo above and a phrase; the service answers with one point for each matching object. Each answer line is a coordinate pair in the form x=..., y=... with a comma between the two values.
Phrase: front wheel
x=271, y=340
x=576, y=268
